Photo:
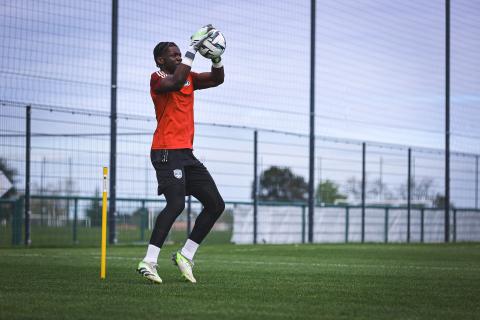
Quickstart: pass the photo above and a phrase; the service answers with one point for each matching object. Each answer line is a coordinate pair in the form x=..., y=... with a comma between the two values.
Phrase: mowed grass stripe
x=255, y=263
x=238, y=282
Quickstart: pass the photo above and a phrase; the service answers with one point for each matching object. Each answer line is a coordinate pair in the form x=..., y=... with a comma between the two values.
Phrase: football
x=214, y=46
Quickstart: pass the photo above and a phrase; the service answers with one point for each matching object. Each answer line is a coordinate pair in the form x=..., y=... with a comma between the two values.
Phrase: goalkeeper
x=178, y=172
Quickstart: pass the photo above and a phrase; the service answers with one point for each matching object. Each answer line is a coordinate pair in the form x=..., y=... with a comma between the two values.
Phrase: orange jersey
x=174, y=113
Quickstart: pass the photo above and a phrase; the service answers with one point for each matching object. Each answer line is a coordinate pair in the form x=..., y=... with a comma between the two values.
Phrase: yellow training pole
x=104, y=225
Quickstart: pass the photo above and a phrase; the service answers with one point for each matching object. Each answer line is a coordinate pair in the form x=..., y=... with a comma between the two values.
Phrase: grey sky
x=379, y=72
x=380, y=64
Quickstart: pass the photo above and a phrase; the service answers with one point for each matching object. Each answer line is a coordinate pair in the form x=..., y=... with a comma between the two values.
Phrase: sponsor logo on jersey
x=187, y=83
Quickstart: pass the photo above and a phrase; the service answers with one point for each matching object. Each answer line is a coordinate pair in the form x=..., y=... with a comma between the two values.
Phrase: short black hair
x=160, y=48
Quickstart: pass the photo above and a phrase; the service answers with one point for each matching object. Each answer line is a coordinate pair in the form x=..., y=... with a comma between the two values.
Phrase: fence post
x=311, y=157
x=112, y=205
x=363, y=189
x=28, y=136
x=347, y=222
x=385, y=236
x=422, y=223
x=12, y=224
x=15, y=211
x=303, y=223
x=447, y=120
x=409, y=193
x=20, y=222
x=454, y=225
x=42, y=189
x=17, y=222
x=476, y=182
x=75, y=221
x=255, y=184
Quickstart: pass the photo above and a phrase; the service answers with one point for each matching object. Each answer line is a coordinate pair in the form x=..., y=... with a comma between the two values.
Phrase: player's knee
x=176, y=206
x=215, y=206
x=219, y=207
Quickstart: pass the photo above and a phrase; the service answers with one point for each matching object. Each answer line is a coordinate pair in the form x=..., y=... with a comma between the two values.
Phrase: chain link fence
x=379, y=93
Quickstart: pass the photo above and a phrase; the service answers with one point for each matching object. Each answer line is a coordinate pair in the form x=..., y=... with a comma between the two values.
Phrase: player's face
x=171, y=59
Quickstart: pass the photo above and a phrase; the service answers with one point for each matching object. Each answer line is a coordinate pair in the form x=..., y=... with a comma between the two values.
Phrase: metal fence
x=378, y=82
x=68, y=149
x=59, y=221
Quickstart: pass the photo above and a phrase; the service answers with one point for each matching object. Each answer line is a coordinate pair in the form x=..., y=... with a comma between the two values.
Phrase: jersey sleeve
x=156, y=78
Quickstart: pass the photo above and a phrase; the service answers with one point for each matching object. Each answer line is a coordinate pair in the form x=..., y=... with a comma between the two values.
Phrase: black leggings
x=213, y=206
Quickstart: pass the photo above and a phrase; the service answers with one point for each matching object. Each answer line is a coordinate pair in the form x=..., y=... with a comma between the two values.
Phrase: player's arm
x=172, y=82
x=176, y=81
x=210, y=79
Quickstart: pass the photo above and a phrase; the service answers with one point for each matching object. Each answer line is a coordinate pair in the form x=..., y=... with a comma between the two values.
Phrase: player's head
x=167, y=56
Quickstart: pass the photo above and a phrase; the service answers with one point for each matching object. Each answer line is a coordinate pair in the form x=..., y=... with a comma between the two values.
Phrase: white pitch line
x=244, y=262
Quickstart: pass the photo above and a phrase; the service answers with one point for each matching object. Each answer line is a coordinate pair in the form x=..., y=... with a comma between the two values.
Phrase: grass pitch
x=247, y=282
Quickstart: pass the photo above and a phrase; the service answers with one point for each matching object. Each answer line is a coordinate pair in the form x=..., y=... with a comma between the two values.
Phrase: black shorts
x=179, y=167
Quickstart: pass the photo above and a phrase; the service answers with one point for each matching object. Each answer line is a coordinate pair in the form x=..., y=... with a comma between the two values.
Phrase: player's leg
x=200, y=185
x=171, y=183
x=206, y=191
x=175, y=197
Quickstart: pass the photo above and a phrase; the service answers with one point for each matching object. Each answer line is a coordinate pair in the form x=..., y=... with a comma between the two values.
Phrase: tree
x=424, y=189
x=420, y=190
x=378, y=189
x=354, y=187
x=327, y=192
x=439, y=202
x=281, y=184
x=94, y=211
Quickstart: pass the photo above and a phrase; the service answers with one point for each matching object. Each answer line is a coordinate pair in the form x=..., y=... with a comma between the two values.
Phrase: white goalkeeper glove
x=197, y=40
x=198, y=37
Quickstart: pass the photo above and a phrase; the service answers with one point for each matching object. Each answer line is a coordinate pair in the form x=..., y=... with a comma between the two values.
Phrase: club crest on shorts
x=177, y=173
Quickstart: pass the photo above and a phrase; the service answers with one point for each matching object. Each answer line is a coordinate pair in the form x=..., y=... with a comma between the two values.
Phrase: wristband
x=217, y=64
x=189, y=56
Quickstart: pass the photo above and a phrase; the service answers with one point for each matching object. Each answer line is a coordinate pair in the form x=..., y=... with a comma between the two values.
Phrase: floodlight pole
x=447, y=120
x=311, y=171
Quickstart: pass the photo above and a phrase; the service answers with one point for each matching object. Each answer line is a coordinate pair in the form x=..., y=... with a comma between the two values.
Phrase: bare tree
x=354, y=187
x=422, y=190
x=378, y=189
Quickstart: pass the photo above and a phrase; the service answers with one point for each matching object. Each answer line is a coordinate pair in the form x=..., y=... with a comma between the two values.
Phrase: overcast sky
x=380, y=65
x=379, y=72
